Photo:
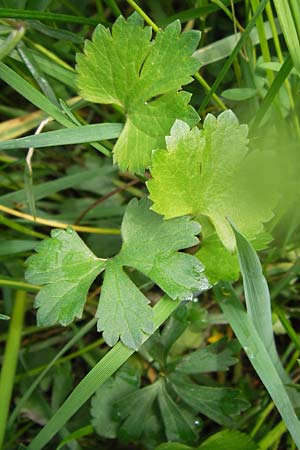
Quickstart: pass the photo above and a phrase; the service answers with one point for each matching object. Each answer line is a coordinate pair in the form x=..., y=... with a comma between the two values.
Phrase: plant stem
x=54, y=223
x=10, y=359
x=14, y=284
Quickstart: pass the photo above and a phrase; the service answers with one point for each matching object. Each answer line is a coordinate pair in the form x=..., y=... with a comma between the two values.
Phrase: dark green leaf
x=220, y=404
x=104, y=419
x=178, y=426
x=208, y=359
x=135, y=408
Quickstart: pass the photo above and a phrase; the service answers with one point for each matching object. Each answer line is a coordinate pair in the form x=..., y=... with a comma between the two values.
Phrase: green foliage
x=173, y=387
x=175, y=399
x=102, y=403
x=207, y=359
x=219, y=263
x=67, y=268
x=126, y=68
x=224, y=440
x=209, y=172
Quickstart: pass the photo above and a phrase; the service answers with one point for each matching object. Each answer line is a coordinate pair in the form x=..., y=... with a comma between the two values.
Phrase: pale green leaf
x=126, y=68
x=178, y=426
x=229, y=439
x=209, y=172
x=239, y=94
x=67, y=268
x=4, y=317
x=219, y=263
x=174, y=446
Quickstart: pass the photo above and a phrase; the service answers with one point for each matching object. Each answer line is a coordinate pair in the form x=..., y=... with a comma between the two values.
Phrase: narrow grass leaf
x=288, y=25
x=267, y=102
x=10, y=359
x=259, y=357
x=82, y=332
x=256, y=291
x=258, y=303
x=78, y=135
x=218, y=50
x=233, y=55
x=48, y=188
x=13, y=246
x=32, y=94
x=13, y=13
x=37, y=73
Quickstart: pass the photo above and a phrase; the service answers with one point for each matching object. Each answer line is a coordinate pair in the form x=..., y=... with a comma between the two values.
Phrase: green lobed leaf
x=126, y=68
x=151, y=244
x=123, y=311
x=219, y=263
x=178, y=426
x=208, y=359
x=173, y=446
x=134, y=409
x=67, y=268
x=102, y=411
x=209, y=172
x=220, y=404
x=229, y=439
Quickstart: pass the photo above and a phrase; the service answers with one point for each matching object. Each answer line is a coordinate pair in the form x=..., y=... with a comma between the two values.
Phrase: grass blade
x=32, y=95
x=12, y=13
x=78, y=135
x=272, y=92
x=254, y=347
x=37, y=381
x=289, y=30
x=258, y=303
x=256, y=291
x=10, y=359
x=234, y=54
x=222, y=48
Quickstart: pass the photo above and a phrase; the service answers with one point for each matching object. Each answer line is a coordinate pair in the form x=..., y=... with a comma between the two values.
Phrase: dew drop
x=55, y=233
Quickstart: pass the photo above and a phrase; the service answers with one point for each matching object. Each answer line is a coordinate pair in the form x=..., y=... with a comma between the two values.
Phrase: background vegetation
x=250, y=55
